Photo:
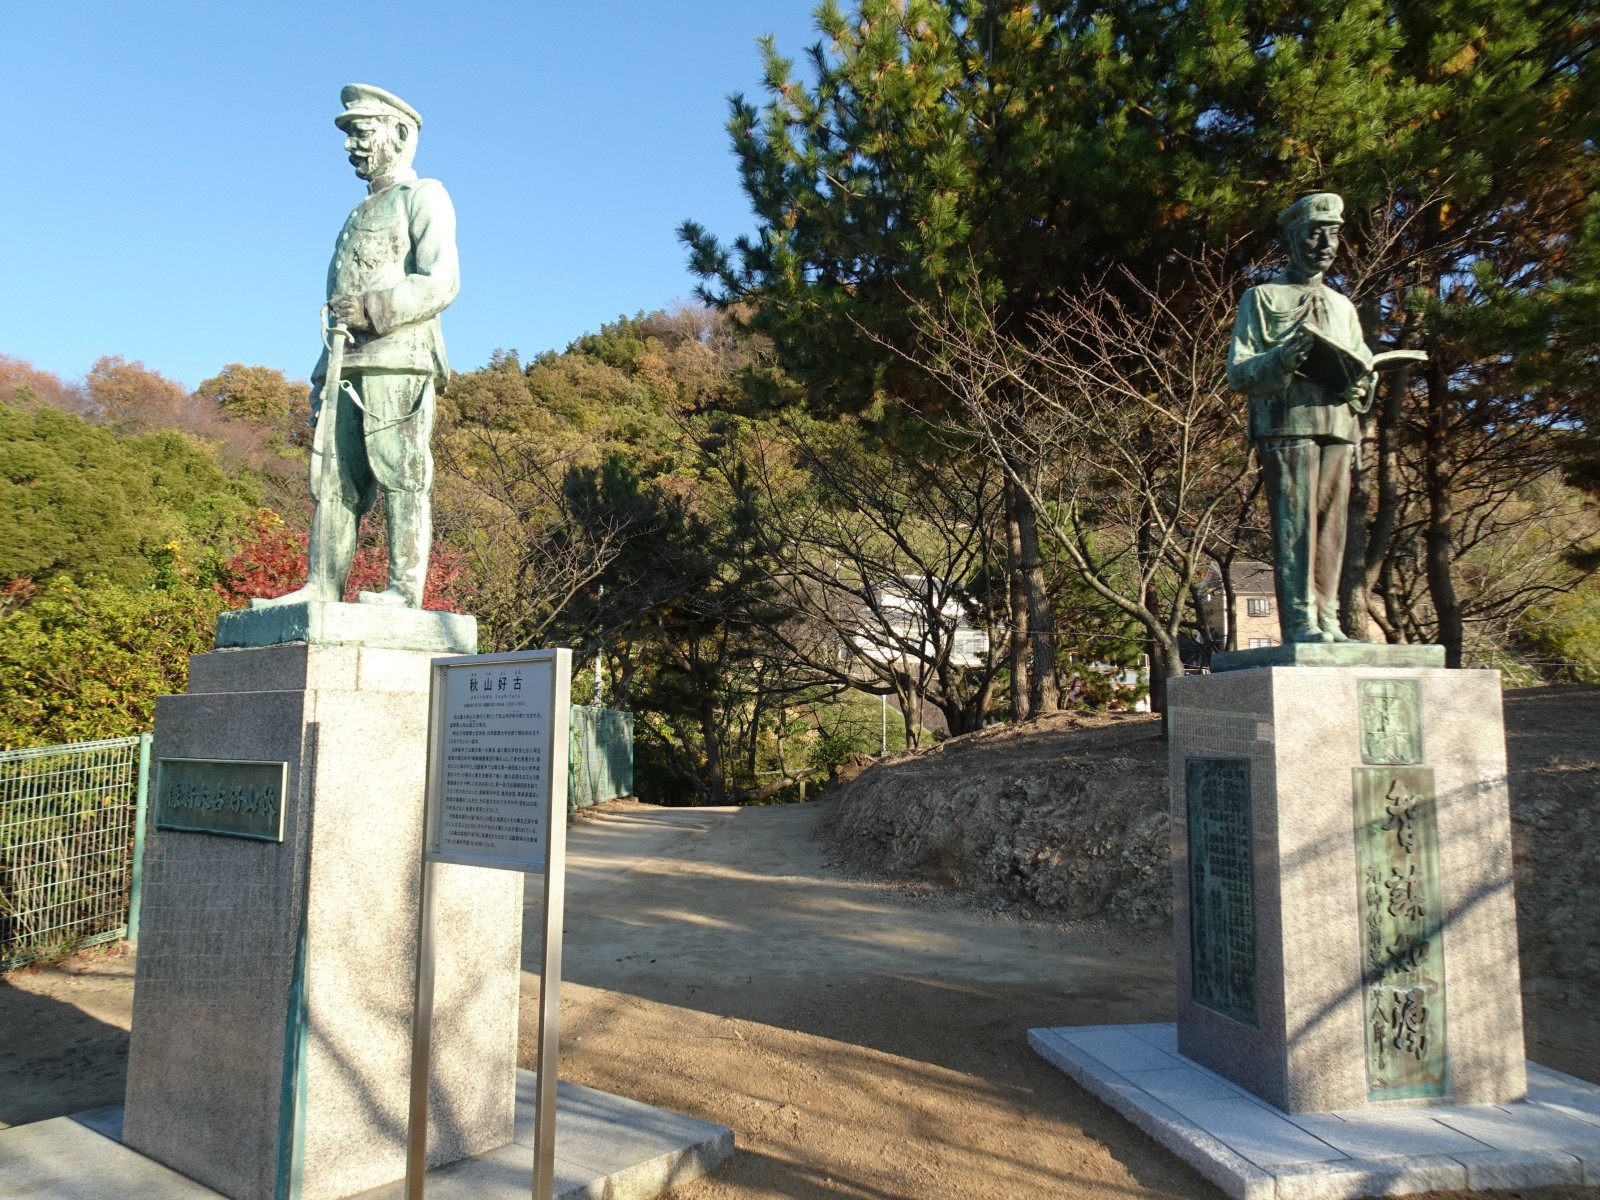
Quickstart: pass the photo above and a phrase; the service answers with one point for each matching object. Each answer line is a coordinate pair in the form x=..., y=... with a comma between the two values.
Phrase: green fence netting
x=70, y=819
x=600, y=766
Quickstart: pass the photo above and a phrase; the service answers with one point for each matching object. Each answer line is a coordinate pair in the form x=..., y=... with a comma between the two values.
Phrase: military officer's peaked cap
x=364, y=100
x=1319, y=208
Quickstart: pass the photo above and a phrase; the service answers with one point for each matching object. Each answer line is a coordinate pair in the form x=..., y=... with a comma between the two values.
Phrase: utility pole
x=598, y=678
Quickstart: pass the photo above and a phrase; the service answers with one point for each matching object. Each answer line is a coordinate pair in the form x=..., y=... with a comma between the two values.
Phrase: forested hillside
x=952, y=426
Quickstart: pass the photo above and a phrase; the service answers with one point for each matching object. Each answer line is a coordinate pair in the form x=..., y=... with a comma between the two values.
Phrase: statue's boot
x=1300, y=622
x=310, y=594
x=1332, y=633
x=1306, y=633
x=410, y=537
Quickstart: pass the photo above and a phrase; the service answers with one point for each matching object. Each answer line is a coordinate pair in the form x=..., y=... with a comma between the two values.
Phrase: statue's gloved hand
x=350, y=312
x=1356, y=393
x=1294, y=348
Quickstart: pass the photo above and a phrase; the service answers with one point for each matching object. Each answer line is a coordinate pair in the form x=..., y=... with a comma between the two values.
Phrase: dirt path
x=863, y=1039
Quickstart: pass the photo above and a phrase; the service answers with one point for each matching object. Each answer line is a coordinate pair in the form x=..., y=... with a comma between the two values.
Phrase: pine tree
x=1006, y=156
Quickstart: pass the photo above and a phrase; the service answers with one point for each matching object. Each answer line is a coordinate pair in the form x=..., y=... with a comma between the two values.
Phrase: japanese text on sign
x=495, y=774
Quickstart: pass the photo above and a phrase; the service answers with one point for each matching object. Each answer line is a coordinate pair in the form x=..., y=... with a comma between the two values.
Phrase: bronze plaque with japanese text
x=1402, y=954
x=1222, y=933
x=1391, y=722
x=224, y=796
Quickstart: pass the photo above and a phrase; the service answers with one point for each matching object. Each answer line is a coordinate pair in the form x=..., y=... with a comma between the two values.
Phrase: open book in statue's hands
x=1338, y=368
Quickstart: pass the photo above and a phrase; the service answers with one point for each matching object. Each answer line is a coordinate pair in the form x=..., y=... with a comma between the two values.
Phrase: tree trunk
x=1165, y=664
x=1155, y=651
x=716, y=783
x=1041, y=624
x=1379, y=531
x=1438, y=535
x=1353, y=574
x=1230, y=597
x=1017, y=595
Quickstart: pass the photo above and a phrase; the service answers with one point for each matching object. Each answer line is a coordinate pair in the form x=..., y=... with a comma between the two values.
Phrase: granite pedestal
x=1344, y=925
x=270, y=1053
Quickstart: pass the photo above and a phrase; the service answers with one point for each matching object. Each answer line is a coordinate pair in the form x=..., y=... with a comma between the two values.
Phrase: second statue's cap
x=1319, y=208
x=364, y=100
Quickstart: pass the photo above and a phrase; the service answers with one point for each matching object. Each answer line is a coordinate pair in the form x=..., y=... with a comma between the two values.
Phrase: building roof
x=1249, y=579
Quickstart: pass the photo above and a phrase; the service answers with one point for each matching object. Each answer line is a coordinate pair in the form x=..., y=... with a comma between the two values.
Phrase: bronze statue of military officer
x=1305, y=431
x=394, y=270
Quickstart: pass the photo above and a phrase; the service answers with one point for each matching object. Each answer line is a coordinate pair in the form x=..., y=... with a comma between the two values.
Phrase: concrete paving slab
x=1556, y=1090
x=1184, y=1083
x=1367, y=1135
x=1373, y=1177
x=1119, y=1049
x=1489, y=1169
x=1263, y=1135
x=1527, y=1125
x=105, y=1121
x=607, y=1148
x=612, y=1136
x=1254, y=1152
x=1162, y=1037
x=60, y=1159
x=1234, y=1174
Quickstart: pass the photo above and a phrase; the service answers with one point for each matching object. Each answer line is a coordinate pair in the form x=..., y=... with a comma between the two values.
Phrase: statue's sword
x=325, y=446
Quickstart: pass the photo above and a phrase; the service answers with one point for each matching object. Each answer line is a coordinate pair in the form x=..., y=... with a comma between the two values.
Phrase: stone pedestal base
x=1344, y=924
x=271, y=1043
x=1254, y=1152
x=327, y=623
x=1328, y=654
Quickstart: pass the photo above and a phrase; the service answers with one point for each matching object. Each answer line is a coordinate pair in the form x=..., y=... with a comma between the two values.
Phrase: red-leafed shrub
x=272, y=560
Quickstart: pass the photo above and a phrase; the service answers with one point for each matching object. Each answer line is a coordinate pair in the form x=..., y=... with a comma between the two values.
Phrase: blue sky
x=174, y=181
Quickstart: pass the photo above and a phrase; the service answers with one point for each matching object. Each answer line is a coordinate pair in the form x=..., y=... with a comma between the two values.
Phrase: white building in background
x=1254, y=619
x=897, y=632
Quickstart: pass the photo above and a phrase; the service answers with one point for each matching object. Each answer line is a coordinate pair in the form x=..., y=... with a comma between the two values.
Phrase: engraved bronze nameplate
x=1222, y=931
x=1391, y=721
x=233, y=798
x=1402, y=954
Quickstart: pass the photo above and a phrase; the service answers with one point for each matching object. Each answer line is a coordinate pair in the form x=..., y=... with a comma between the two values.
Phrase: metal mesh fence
x=71, y=818
x=600, y=766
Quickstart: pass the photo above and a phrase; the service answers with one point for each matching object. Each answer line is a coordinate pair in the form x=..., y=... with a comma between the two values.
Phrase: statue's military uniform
x=1305, y=436
x=397, y=252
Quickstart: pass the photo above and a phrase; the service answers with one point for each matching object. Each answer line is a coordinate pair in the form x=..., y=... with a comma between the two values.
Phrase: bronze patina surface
x=1402, y=954
x=1222, y=934
x=233, y=798
x=394, y=269
x=1391, y=722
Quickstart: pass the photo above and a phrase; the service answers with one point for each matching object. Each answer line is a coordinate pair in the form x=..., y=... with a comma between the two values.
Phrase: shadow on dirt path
x=64, y=1036
x=862, y=1039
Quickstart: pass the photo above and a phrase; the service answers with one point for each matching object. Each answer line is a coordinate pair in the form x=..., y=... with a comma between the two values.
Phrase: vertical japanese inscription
x=1222, y=933
x=1391, y=722
x=495, y=779
x=1402, y=955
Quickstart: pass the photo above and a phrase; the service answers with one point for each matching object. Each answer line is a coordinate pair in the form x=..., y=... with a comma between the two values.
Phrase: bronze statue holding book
x=1299, y=354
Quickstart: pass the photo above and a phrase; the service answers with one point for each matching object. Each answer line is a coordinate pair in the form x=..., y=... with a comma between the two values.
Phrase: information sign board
x=496, y=797
x=499, y=741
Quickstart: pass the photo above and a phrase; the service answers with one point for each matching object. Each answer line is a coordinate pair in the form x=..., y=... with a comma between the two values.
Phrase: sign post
x=496, y=797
